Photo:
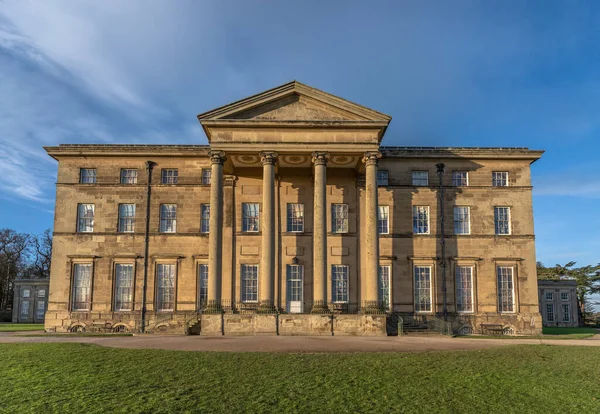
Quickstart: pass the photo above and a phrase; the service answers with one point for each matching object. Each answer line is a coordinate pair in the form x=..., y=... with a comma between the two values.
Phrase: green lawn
x=547, y=333
x=21, y=327
x=569, y=331
x=87, y=378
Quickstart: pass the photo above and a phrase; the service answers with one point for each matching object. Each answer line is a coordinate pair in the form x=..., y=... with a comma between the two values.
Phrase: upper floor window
x=165, y=287
x=168, y=218
x=250, y=217
x=85, y=218
x=422, y=288
x=462, y=220
x=126, y=218
x=82, y=286
x=249, y=288
x=502, y=220
x=421, y=219
x=383, y=177
x=169, y=176
x=26, y=293
x=339, y=279
x=206, y=176
x=202, y=285
x=564, y=295
x=87, y=176
x=129, y=176
x=500, y=179
x=464, y=289
x=339, y=218
x=123, y=287
x=549, y=296
x=383, y=221
x=420, y=178
x=460, y=178
x=295, y=217
x=204, y=218
x=506, y=293
x=41, y=293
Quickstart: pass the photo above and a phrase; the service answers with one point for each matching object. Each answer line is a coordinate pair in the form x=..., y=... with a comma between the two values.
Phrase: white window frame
x=458, y=180
x=294, y=276
x=566, y=316
x=166, y=283
x=385, y=286
x=41, y=293
x=383, y=178
x=549, y=295
x=383, y=220
x=202, y=269
x=339, y=218
x=339, y=283
x=500, y=178
x=462, y=221
x=205, y=175
x=85, y=220
x=249, y=283
x=126, y=218
x=550, y=312
x=129, y=175
x=498, y=224
x=204, y=218
x=420, y=178
x=40, y=309
x=420, y=224
x=169, y=176
x=24, y=309
x=564, y=296
x=168, y=218
x=419, y=274
x=506, y=305
x=295, y=218
x=82, y=286
x=463, y=282
x=87, y=176
x=124, y=287
x=250, y=217
x=26, y=293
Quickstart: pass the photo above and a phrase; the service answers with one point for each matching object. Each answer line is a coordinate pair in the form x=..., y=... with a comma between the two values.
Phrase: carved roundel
x=342, y=160
x=248, y=159
x=294, y=159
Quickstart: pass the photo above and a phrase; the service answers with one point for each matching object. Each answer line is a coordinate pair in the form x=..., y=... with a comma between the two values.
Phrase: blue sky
x=450, y=73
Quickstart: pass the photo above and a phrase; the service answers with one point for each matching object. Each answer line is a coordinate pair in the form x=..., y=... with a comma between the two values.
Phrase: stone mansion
x=294, y=219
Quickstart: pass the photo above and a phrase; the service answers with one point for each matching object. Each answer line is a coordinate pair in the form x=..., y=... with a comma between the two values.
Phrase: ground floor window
x=506, y=294
x=339, y=280
x=25, y=309
x=464, y=289
x=385, y=286
x=165, y=287
x=202, y=284
x=41, y=307
x=249, y=283
x=123, y=287
x=566, y=312
x=550, y=312
x=295, y=278
x=422, y=288
x=82, y=286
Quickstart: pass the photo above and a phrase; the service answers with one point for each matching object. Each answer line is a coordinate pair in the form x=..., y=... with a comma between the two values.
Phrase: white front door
x=295, y=279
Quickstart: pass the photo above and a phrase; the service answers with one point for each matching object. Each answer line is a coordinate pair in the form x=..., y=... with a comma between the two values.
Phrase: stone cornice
x=461, y=152
x=81, y=150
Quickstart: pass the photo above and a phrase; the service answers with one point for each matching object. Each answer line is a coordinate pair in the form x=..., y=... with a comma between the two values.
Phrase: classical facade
x=30, y=300
x=558, y=303
x=293, y=220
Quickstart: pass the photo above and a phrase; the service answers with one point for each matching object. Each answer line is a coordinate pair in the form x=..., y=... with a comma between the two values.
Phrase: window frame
x=418, y=182
x=292, y=220
x=202, y=275
x=552, y=313
x=497, y=182
x=567, y=313
x=204, y=221
x=381, y=229
x=384, y=289
x=500, y=290
x=40, y=313
x=25, y=305
x=549, y=295
x=416, y=282
x=497, y=223
x=41, y=293
x=163, y=224
x=83, y=223
x=416, y=220
x=455, y=180
x=159, y=303
x=26, y=295
x=169, y=176
x=383, y=178
x=131, y=287
x=205, y=176
x=74, y=287
x=84, y=178
x=126, y=224
x=343, y=295
x=250, y=221
x=294, y=286
x=470, y=289
x=246, y=295
x=566, y=296
x=467, y=221
x=336, y=219
x=129, y=179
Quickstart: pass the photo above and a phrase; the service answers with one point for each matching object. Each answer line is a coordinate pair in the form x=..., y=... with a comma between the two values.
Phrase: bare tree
x=41, y=246
x=13, y=248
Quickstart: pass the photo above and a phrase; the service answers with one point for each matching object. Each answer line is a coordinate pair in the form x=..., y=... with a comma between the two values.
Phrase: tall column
x=320, y=233
x=215, y=238
x=267, y=261
x=370, y=279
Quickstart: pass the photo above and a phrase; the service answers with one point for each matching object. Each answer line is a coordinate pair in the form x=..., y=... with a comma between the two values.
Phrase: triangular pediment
x=294, y=102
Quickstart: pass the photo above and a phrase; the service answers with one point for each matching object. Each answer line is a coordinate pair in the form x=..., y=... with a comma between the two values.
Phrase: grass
x=87, y=378
x=547, y=333
x=569, y=331
x=78, y=334
x=21, y=327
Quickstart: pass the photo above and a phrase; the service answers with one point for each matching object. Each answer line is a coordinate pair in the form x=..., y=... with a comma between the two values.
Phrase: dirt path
x=293, y=343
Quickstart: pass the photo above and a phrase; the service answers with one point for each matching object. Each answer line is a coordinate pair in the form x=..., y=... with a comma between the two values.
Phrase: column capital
x=268, y=157
x=320, y=157
x=217, y=157
x=371, y=157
